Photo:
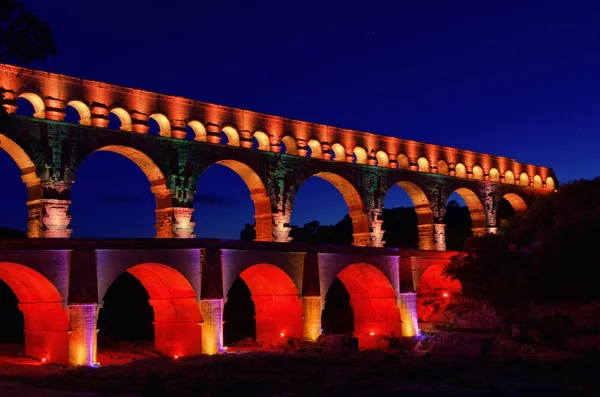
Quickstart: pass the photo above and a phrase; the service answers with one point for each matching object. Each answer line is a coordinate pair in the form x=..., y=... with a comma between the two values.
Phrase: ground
x=304, y=372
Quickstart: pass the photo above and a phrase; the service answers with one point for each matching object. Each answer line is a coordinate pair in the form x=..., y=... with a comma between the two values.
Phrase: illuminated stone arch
x=382, y=159
x=316, y=151
x=177, y=317
x=85, y=116
x=550, y=183
x=434, y=293
x=509, y=178
x=461, y=171
x=537, y=182
x=403, y=162
x=373, y=301
x=37, y=102
x=423, y=164
x=124, y=117
x=277, y=303
x=361, y=155
x=233, y=137
x=477, y=173
x=158, y=186
x=360, y=225
x=264, y=143
x=163, y=124
x=290, y=145
x=199, y=130
x=524, y=179
x=46, y=319
x=517, y=203
x=339, y=151
x=476, y=210
x=258, y=194
x=494, y=175
x=424, y=214
x=442, y=167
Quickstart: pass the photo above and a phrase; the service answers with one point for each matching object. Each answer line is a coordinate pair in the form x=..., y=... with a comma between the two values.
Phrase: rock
x=342, y=342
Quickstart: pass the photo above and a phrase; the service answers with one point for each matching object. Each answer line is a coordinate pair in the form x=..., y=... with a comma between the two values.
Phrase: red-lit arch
x=360, y=224
x=277, y=303
x=434, y=293
x=373, y=301
x=46, y=319
x=177, y=318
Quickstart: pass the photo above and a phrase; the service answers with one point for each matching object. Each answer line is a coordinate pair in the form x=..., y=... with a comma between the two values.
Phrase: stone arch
x=494, y=175
x=37, y=102
x=434, y=293
x=509, y=177
x=316, y=151
x=476, y=210
x=537, y=182
x=360, y=225
x=177, y=317
x=290, y=145
x=477, y=173
x=339, y=151
x=461, y=171
x=163, y=124
x=264, y=143
x=423, y=164
x=233, y=136
x=277, y=303
x=403, y=162
x=361, y=155
x=524, y=179
x=373, y=300
x=382, y=159
x=46, y=319
x=516, y=202
x=258, y=194
x=442, y=167
x=124, y=118
x=199, y=130
x=550, y=183
x=424, y=214
x=85, y=116
x=158, y=186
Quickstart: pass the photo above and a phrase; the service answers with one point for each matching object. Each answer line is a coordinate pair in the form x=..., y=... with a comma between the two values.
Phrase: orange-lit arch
x=537, y=182
x=46, y=319
x=403, y=162
x=163, y=124
x=382, y=159
x=434, y=293
x=477, y=173
x=277, y=303
x=524, y=179
x=550, y=183
x=316, y=151
x=28, y=169
x=37, y=103
x=124, y=118
x=509, y=178
x=461, y=171
x=233, y=137
x=339, y=152
x=354, y=202
x=290, y=145
x=263, y=141
x=177, y=315
x=424, y=214
x=373, y=301
x=442, y=167
x=476, y=209
x=199, y=130
x=423, y=164
x=517, y=203
x=258, y=194
x=494, y=175
x=85, y=116
x=361, y=155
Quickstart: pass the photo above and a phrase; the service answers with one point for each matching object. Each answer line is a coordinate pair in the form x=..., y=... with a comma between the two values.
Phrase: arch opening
x=477, y=173
x=361, y=155
x=170, y=302
x=230, y=136
x=537, y=182
x=434, y=293
x=121, y=201
x=315, y=150
x=511, y=205
x=403, y=162
x=31, y=105
x=288, y=145
x=373, y=301
x=158, y=125
x=337, y=316
x=260, y=141
x=442, y=167
x=550, y=183
x=509, y=178
x=78, y=112
x=461, y=171
x=423, y=164
x=119, y=119
x=195, y=131
x=278, y=308
x=494, y=175
x=382, y=159
x=465, y=217
x=524, y=179
x=338, y=152
x=45, y=320
x=227, y=210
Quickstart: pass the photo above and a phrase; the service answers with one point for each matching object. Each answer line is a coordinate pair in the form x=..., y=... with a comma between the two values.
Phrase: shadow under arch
x=259, y=196
x=158, y=186
x=374, y=303
x=476, y=210
x=277, y=303
x=434, y=293
x=424, y=214
x=360, y=224
x=29, y=178
x=177, y=317
x=46, y=319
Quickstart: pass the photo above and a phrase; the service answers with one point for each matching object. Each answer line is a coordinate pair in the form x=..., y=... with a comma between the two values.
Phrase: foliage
x=549, y=255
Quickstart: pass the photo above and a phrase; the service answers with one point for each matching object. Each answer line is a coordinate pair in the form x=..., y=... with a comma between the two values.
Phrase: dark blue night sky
x=514, y=78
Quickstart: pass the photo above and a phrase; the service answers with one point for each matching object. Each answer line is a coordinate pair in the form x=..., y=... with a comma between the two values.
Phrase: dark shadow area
x=238, y=314
x=13, y=198
x=337, y=316
x=505, y=212
x=458, y=225
x=12, y=323
x=400, y=228
x=72, y=115
x=126, y=314
x=24, y=108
